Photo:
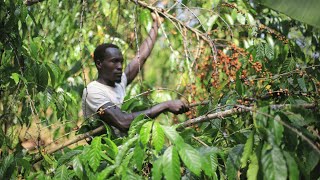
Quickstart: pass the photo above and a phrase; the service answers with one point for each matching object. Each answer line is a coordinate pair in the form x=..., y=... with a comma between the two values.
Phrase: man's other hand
x=177, y=106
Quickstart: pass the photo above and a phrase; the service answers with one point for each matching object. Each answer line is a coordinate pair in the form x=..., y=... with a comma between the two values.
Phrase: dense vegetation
x=250, y=73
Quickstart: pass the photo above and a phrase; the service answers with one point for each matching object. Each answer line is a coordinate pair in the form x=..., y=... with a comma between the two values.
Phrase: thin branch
x=201, y=142
x=171, y=17
x=71, y=141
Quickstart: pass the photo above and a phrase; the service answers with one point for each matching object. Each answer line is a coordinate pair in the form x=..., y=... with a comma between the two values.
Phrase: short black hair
x=100, y=51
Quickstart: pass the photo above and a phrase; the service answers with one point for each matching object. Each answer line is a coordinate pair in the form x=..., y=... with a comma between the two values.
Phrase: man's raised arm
x=145, y=49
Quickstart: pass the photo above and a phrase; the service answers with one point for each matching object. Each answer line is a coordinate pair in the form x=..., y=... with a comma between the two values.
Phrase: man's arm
x=145, y=49
x=112, y=115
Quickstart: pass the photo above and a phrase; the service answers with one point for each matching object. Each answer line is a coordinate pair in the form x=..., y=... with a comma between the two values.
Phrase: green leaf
x=269, y=52
x=111, y=147
x=273, y=163
x=138, y=155
x=157, y=136
x=288, y=65
x=247, y=150
x=42, y=77
x=304, y=11
x=171, y=163
x=292, y=166
x=145, y=132
x=77, y=167
x=260, y=53
x=15, y=77
x=105, y=157
x=106, y=172
x=233, y=161
x=33, y=50
x=209, y=161
x=241, y=18
x=136, y=124
x=191, y=158
x=62, y=173
x=239, y=87
x=123, y=149
x=277, y=130
x=5, y=164
x=296, y=119
x=253, y=167
x=302, y=84
x=68, y=156
x=54, y=72
x=93, y=155
x=172, y=135
x=157, y=169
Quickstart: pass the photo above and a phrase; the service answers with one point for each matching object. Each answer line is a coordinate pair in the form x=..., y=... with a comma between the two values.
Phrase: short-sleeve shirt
x=96, y=95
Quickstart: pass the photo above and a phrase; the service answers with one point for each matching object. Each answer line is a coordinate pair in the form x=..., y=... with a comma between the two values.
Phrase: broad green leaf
x=239, y=86
x=93, y=155
x=111, y=147
x=77, y=167
x=145, y=132
x=247, y=150
x=209, y=163
x=260, y=53
x=288, y=65
x=302, y=84
x=304, y=11
x=233, y=161
x=138, y=155
x=126, y=161
x=157, y=136
x=124, y=148
x=42, y=77
x=273, y=163
x=157, y=169
x=54, y=72
x=253, y=167
x=136, y=124
x=106, y=172
x=278, y=130
x=241, y=18
x=191, y=158
x=5, y=164
x=15, y=77
x=292, y=166
x=171, y=163
x=68, y=157
x=269, y=52
x=105, y=157
x=62, y=173
x=296, y=119
x=173, y=135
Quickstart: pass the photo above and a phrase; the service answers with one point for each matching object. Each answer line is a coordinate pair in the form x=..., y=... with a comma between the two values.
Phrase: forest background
x=249, y=69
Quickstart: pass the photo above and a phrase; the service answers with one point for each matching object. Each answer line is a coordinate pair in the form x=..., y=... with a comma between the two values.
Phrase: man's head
x=108, y=59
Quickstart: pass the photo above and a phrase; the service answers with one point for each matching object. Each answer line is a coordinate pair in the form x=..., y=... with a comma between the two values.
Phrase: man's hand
x=177, y=106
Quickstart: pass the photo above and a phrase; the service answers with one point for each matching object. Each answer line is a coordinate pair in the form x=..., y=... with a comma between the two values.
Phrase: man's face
x=110, y=68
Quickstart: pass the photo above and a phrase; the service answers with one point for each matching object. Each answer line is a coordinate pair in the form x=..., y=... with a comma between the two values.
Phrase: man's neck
x=108, y=83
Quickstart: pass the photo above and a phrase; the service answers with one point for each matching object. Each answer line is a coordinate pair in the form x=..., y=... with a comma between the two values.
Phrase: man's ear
x=98, y=64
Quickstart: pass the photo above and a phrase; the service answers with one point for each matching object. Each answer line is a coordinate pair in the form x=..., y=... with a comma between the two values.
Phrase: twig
x=171, y=17
x=72, y=141
x=201, y=142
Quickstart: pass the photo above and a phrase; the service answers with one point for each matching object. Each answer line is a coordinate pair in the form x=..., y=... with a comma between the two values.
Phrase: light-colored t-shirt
x=96, y=94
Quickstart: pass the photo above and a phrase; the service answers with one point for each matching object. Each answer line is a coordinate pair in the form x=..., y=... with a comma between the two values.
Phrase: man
x=104, y=96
